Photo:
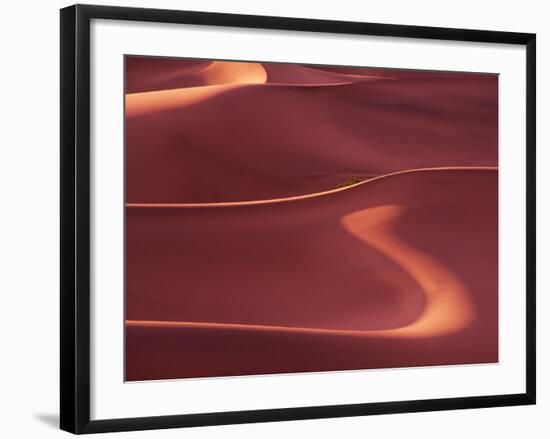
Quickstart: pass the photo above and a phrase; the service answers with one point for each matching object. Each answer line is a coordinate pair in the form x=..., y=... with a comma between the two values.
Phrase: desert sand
x=243, y=254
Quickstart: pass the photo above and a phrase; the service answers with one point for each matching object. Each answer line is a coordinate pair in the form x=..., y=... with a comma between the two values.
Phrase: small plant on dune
x=349, y=182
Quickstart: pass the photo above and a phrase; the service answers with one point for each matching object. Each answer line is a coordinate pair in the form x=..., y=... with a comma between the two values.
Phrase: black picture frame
x=75, y=217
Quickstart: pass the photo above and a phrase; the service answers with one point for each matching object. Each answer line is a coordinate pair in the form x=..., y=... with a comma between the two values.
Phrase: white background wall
x=29, y=248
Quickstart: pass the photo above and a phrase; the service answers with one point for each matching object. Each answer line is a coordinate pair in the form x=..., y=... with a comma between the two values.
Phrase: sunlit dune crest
x=164, y=100
x=151, y=74
x=448, y=305
x=233, y=73
x=151, y=102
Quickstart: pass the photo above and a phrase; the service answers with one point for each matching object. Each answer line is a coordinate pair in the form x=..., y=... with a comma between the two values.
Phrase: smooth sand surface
x=409, y=277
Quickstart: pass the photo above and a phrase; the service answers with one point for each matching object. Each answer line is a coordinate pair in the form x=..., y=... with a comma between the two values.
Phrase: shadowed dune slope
x=256, y=141
x=312, y=266
x=395, y=73
x=300, y=74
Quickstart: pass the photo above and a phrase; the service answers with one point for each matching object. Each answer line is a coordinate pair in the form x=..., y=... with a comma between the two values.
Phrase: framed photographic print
x=268, y=218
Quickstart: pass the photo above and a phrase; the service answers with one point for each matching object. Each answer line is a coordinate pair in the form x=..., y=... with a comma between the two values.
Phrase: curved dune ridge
x=388, y=243
x=448, y=306
x=300, y=197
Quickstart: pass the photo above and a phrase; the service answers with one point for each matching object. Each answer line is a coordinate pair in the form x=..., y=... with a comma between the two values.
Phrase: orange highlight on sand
x=448, y=305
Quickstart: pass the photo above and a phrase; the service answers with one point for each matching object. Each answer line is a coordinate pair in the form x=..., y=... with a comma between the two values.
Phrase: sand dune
x=190, y=145
x=397, y=271
x=448, y=307
x=153, y=74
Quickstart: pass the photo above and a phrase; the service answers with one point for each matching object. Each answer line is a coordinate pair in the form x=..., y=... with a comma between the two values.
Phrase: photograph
x=284, y=218
x=271, y=218
x=275, y=219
